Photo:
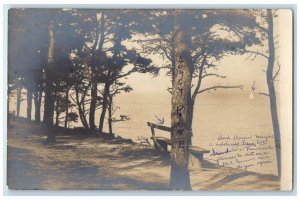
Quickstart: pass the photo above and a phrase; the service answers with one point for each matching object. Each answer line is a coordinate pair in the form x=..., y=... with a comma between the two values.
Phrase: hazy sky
x=237, y=69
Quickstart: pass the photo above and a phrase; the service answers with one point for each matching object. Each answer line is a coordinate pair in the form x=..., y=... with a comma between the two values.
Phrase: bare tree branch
x=73, y=98
x=265, y=94
x=144, y=140
x=196, y=91
x=85, y=91
x=213, y=74
x=276, y=74
x=114, y=110
x=169, y=89
x=221, y=87
x=257, y=53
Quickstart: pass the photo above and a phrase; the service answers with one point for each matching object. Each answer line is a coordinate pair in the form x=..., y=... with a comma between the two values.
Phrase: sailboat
x=251, y=96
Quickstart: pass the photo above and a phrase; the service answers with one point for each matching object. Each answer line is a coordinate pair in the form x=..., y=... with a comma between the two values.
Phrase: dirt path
x=81, y=162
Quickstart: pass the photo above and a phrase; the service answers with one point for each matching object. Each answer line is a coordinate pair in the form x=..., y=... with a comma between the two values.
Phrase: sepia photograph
x=150, y=99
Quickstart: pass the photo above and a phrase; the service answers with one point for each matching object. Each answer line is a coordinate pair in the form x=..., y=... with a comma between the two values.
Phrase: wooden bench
x=161, y=143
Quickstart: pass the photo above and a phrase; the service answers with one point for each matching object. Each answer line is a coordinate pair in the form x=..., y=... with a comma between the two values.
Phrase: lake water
x=215, y=114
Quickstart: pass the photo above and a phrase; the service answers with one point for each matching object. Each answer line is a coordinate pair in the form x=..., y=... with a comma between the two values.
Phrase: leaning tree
x=265, y=28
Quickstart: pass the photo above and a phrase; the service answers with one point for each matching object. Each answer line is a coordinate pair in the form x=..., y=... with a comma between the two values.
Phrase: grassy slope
x=81, y=161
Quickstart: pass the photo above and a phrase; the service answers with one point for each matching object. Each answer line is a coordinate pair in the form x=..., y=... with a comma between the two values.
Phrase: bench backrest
x=160, y=127
x=193, y=149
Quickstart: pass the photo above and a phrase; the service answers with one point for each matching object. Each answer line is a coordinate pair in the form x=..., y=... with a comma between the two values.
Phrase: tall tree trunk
x=173, y=59
x=57, y=112
x=67, y=108
x=49, y=98
x=29, y=102
x=83, y=119
x=271, y=88
x=110, y=114
x=48, y=107
x=104, y=106
x=180, y=135
x=81, y=110
x=93, y=103
x=40, y=103
x=37, y=104
x=19, y=93
x=190, y=115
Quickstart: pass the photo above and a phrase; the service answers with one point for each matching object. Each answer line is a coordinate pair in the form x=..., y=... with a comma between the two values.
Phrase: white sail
x=251, y=96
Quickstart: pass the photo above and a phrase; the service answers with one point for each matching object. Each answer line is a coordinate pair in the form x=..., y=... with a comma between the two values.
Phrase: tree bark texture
x=67, y=108
x=49, y=98
x=104, y=106
x=29, y=102
x=19, y=96
x=271, y=88
x=180, y=133
x=100, y=29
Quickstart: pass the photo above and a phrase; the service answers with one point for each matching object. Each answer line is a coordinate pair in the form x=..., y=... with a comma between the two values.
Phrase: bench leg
x=163, y=145
x=195, y=162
